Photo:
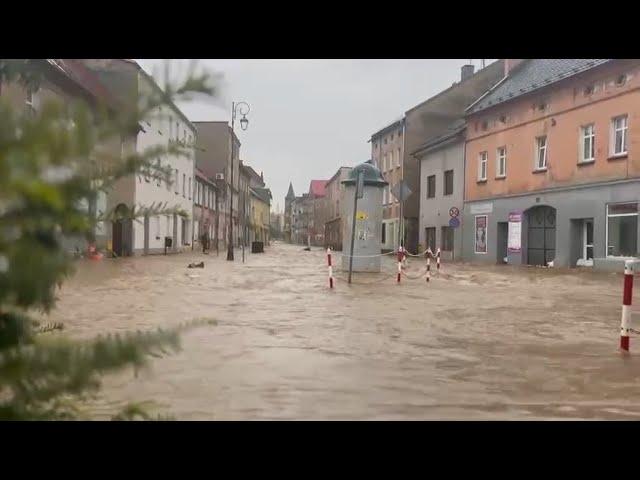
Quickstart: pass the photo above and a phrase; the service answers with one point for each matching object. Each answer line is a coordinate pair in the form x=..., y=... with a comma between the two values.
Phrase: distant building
x=260, y=214
x=317, y=217
x=213, y=158
x=204, y=208
x=334, y=201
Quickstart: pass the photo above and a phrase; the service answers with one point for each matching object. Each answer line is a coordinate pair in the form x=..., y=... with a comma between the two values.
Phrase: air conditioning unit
x=219, y=176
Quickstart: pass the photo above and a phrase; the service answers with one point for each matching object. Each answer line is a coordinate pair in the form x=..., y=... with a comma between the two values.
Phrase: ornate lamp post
x=243, y=109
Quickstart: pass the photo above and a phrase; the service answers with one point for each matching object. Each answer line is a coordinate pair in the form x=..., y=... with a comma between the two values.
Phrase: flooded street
x=474, y=343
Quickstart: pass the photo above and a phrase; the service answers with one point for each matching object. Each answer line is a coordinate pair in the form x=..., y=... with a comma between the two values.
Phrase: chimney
x=466, y=71
x=510, y=64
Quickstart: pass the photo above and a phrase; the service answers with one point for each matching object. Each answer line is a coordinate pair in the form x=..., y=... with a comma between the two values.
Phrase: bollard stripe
x=628, y=289
x=624, y=343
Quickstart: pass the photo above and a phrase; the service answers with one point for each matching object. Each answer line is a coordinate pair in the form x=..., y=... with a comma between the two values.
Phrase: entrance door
x=541, y=245
x=430, y=238
x=146, y=234
x=587, y=240
x=502, y=238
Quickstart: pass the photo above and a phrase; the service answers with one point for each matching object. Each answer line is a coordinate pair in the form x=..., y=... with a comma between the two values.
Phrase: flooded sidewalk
x=473, y=343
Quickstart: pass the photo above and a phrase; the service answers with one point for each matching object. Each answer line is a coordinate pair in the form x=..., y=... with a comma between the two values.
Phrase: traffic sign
x=454, y=222
x=401, y=191
x=454, y=212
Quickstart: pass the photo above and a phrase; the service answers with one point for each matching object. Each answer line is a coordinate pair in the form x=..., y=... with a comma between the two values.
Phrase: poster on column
x=481, y=234
x=515, y=232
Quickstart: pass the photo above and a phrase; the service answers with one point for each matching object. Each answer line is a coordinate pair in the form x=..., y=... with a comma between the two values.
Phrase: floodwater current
x=473, y=343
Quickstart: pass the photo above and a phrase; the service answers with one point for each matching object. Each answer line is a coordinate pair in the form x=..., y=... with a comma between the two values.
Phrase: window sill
x=484, y=180
x=618, y=156
x=587, y=162
x=539, y=170
x=500, y=177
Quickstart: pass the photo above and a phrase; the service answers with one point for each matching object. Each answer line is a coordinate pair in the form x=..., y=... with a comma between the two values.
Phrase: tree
x=52, y=166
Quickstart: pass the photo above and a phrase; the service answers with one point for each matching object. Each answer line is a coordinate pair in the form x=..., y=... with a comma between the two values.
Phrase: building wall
x=567, y=110
x=571, y=204
x=432, y=118
x=576, y=190
x=334, y=204
x=434, y=212
x=167, y=126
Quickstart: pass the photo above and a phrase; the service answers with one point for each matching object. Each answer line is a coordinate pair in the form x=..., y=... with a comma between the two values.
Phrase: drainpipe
x=464, y=187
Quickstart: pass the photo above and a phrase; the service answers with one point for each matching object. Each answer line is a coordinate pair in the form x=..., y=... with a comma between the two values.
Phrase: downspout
x=464, y=188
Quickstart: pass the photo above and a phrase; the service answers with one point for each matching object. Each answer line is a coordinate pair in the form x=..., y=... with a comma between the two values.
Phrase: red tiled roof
x=317, y=188
x=84, y=77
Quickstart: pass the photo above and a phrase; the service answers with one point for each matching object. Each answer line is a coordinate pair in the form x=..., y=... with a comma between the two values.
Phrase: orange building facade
x=552, y=165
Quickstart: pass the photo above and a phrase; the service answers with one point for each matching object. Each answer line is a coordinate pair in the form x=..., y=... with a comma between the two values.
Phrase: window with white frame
x=189, y=188
x=619, y=126
x=588, y=138
x=398, y=158
x=176, y=182
x=501, y=162
x=384, y=196
x=541, y=153
x=622, y=229
x=184, y=183
x=482, y=166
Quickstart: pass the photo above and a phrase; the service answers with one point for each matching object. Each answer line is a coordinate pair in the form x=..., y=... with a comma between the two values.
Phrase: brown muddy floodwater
x=476, y=343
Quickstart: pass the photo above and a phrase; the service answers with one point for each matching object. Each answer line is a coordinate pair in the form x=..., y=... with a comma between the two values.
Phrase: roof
x=317, y=188
x=252, y=172
x=84, y=78
x=337, y=173
x=532, y=75
x=202, y=176
x=290, y=193
x=452, y=131
x=392, y=125
x=372, y=175
x=263, y=194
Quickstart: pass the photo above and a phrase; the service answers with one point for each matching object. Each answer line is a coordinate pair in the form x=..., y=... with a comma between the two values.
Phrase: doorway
x=121, y=230
x=541, y=236
x=587, y=240
x=502, y=238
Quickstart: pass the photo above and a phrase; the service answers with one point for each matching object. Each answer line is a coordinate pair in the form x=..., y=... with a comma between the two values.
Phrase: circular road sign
x=454, y=212
x=454, y=222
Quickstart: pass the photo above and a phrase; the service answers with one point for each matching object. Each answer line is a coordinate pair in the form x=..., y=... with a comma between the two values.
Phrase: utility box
x=367, y=244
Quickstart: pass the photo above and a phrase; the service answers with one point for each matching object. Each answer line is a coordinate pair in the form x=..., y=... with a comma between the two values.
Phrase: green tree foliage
x=52, y=165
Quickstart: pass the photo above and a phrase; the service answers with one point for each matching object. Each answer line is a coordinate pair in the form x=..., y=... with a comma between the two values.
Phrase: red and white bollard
x=330, y=268
x=429, y=254
x=400, y=255
x=438, y=261
x=625, y=322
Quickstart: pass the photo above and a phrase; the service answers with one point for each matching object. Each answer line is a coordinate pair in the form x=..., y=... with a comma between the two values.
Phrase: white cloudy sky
x=309, y=117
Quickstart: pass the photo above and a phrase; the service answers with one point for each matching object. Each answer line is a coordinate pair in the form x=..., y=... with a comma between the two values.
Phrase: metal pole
x=353, y=224
x=230, y=246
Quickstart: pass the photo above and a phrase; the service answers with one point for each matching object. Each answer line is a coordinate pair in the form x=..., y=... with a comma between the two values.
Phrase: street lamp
x=243, y=108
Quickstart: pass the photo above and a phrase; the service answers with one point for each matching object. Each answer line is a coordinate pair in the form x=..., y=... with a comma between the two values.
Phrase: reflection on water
x=490, y=343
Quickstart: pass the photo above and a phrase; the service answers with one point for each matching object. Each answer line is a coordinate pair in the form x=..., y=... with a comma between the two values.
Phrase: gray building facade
x=442, y=192
x=562, y=226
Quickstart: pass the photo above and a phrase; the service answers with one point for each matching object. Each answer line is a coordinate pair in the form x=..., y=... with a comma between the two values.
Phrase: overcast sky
x=309, y=117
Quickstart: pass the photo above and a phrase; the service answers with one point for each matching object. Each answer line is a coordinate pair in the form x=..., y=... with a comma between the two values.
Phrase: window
x=622, y=230
x=184, y=181
x=197, y=196
x=168, y=179
x=177, y=131
x=384, y=233
x=385, y=141
x=392, y=137
x=176, y=183
x=398, y=159
x=588, y=143
x=589, y=89
x=541, y=153
x=446, y=239
x=482, y=166
x=501, y=162
x=431, y=186
x=448, y=182
x=170, y=127
x=157, y=227
x=384, y=196
x=619, y=127
x=621, y=80
x=189, y=188
x=159, y=179
x=430, y=238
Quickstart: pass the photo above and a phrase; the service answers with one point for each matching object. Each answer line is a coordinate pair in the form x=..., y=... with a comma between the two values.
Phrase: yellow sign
x=361, y=216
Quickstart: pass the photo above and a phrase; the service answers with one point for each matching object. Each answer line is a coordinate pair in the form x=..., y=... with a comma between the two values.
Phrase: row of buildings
x=527, y=161
x=200, y=182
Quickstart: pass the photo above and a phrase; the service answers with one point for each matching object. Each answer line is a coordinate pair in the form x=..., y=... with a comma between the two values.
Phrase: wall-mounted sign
x=454, y=212
x=514, y=244
x=481, y=234
x=478, y=208
x=361, y=216
x=454, y=222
